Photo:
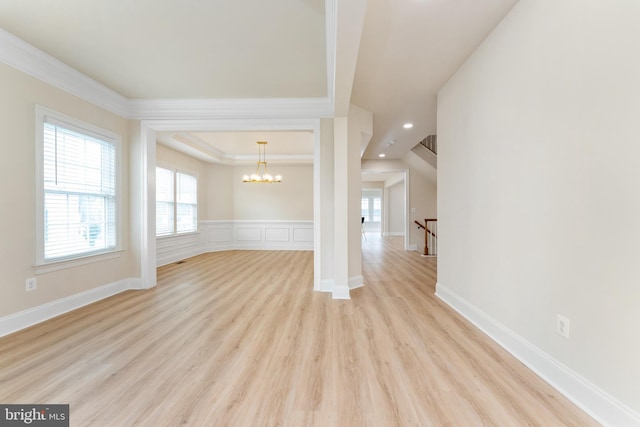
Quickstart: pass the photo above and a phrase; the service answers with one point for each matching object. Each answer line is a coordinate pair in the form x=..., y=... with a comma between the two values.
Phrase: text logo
x=34, y=415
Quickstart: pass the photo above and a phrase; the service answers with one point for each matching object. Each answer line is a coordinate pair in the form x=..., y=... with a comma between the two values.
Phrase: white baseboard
x=136, y=284
x=178, y=256
x=340, y=292
x=32, y=316
x=326, y=285
x=356, y=282
x=217, y=236
x=413, y=247
x=591, y=399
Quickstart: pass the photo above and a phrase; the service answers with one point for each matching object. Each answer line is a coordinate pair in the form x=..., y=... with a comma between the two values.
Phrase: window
x=176, y=202
x=77, y=188
x=371, y=208
x=187, y=203
x=164, y=202
x=364, y=206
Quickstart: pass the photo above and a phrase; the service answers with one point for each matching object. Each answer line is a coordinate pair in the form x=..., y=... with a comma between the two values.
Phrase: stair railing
x=430, y=236
x=431, y=143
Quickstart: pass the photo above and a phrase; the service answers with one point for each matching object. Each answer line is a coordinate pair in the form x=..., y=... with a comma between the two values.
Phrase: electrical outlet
x=562, y=326
x=32, y=284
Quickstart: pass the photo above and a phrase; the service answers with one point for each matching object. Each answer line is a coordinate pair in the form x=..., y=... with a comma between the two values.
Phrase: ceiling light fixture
x=262, y=166
x=408, y=125
x=382, y=155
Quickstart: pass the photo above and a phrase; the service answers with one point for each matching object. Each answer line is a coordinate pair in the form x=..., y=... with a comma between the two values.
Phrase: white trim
x=176, y=247
x=340, y=292
x=189, y=115
x=147, y=205
x=286, y=108
x=19, y=54
x=45, y=115
x=407, y=209
x=590, y=398
x=222, y=235
x=326, y=285
x=215, y=124
x=32, y=316
x=257, y=235
x=317, y=207
x=76, y=262
x=148, y=249
x=407, y=199
x=356, y=282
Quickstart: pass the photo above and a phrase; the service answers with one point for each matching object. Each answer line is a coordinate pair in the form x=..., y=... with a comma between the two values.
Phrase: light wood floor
x=240, y=339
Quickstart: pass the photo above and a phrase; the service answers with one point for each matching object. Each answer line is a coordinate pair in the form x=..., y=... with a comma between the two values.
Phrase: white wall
x=538, y=185
x=395, y=201
x=291, y=199
x=237, y=215
x=219, y=199
x=327, y=227
x=360, y=132
x=20, y=94
x=223, y=196
x=374, y=189
x=422, y=195
x=171, y=159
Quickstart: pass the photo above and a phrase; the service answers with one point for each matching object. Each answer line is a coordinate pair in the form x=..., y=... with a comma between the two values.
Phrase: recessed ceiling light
x=382, y=155
x=408, y=125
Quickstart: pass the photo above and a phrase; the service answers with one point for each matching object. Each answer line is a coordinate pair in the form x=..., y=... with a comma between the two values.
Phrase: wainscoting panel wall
x=174, y=248
x=214, y=236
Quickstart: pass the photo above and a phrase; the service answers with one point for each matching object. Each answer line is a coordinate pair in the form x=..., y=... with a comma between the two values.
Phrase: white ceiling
x=228, y=49
x=409, y=49
x=284, y=147
x=160, y=49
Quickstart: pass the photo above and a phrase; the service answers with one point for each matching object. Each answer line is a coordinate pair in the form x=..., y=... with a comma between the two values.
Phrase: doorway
x=384, y=204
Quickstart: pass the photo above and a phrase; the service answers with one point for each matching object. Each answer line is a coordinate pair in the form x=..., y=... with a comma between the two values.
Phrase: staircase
x=430, y=228
x=427, y=149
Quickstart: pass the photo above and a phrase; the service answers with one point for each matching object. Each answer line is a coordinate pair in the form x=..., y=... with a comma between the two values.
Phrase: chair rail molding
x=225, y=235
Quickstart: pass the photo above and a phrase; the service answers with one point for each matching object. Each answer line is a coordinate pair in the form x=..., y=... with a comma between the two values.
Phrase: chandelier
x=261, y=174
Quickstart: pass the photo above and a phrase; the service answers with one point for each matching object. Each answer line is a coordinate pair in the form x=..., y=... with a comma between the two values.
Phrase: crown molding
x=22, y=56
x=230, y=108
x=197, y=144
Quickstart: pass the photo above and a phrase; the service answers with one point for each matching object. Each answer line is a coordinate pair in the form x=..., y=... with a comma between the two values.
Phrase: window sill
x=76, y=262
x=173, y=236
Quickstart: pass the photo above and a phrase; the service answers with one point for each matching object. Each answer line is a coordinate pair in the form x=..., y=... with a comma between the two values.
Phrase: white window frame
x=172, y=203
x=42, y=265
x=370, y=197
x=175, y=173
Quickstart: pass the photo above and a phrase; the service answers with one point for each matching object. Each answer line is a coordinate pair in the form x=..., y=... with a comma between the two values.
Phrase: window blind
x=176, y=202
x=187, y=203
x=79, y=182
x=164, y=202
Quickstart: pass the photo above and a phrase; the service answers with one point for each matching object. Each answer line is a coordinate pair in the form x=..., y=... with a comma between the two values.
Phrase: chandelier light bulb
x=261, y=174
